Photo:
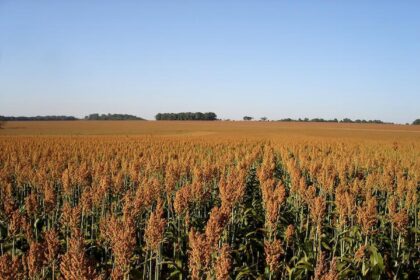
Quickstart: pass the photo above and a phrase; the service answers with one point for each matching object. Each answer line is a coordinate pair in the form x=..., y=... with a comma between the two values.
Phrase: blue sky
x=357, y=59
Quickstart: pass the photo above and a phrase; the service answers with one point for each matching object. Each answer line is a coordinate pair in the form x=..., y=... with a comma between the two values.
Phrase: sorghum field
x=215, y=200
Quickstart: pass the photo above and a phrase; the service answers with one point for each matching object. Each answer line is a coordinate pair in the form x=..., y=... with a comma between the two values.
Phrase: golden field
x=209, y=200
x=219, y=128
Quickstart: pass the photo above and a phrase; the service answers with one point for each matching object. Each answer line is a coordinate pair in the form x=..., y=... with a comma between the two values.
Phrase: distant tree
x=210, y=116
x=38, y=118
x=317, y=120
x=111, y=117
x=248, y=118
x=199, y=116
x=346, y=120
x=375, y=121
x=92, y=117
x=186, y=116
x=416, y=122
x=264, y=119
x=308, y=120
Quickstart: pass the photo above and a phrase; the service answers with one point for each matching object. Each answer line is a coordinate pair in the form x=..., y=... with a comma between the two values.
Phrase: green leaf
x=325, y=245
x=365, y=269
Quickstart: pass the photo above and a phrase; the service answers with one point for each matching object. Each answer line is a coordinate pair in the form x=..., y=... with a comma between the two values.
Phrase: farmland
x=209, y=200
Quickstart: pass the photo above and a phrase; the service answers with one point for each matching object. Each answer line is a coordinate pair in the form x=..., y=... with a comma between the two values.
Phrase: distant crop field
x=216, y=128
x=209, y=200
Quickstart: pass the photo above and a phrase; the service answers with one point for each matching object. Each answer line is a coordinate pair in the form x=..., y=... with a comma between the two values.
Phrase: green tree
x=112, y=117
x=187, y=116
x=416, y=122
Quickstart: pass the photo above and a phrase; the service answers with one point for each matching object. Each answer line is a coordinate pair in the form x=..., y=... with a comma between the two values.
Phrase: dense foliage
x=208, y=208
x=186, y=116
x=416, y=122
x=111, y=117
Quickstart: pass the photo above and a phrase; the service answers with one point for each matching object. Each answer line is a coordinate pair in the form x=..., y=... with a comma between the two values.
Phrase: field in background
x=209, y=200
x=217, y=129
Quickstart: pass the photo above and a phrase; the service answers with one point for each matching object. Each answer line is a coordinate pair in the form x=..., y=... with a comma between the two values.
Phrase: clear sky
x=357, y=59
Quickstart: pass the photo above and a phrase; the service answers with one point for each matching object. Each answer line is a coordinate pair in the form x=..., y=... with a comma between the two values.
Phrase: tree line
x=209, y=116
x=72, y=118
x=186, y=116
x=345, y=120
x=335, y=120
x=111, y=117
x=38, y=118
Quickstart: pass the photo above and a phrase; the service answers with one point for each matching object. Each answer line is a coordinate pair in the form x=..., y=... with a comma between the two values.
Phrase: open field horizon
x=209, y=140
x=209, y=200
x=384, y=132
